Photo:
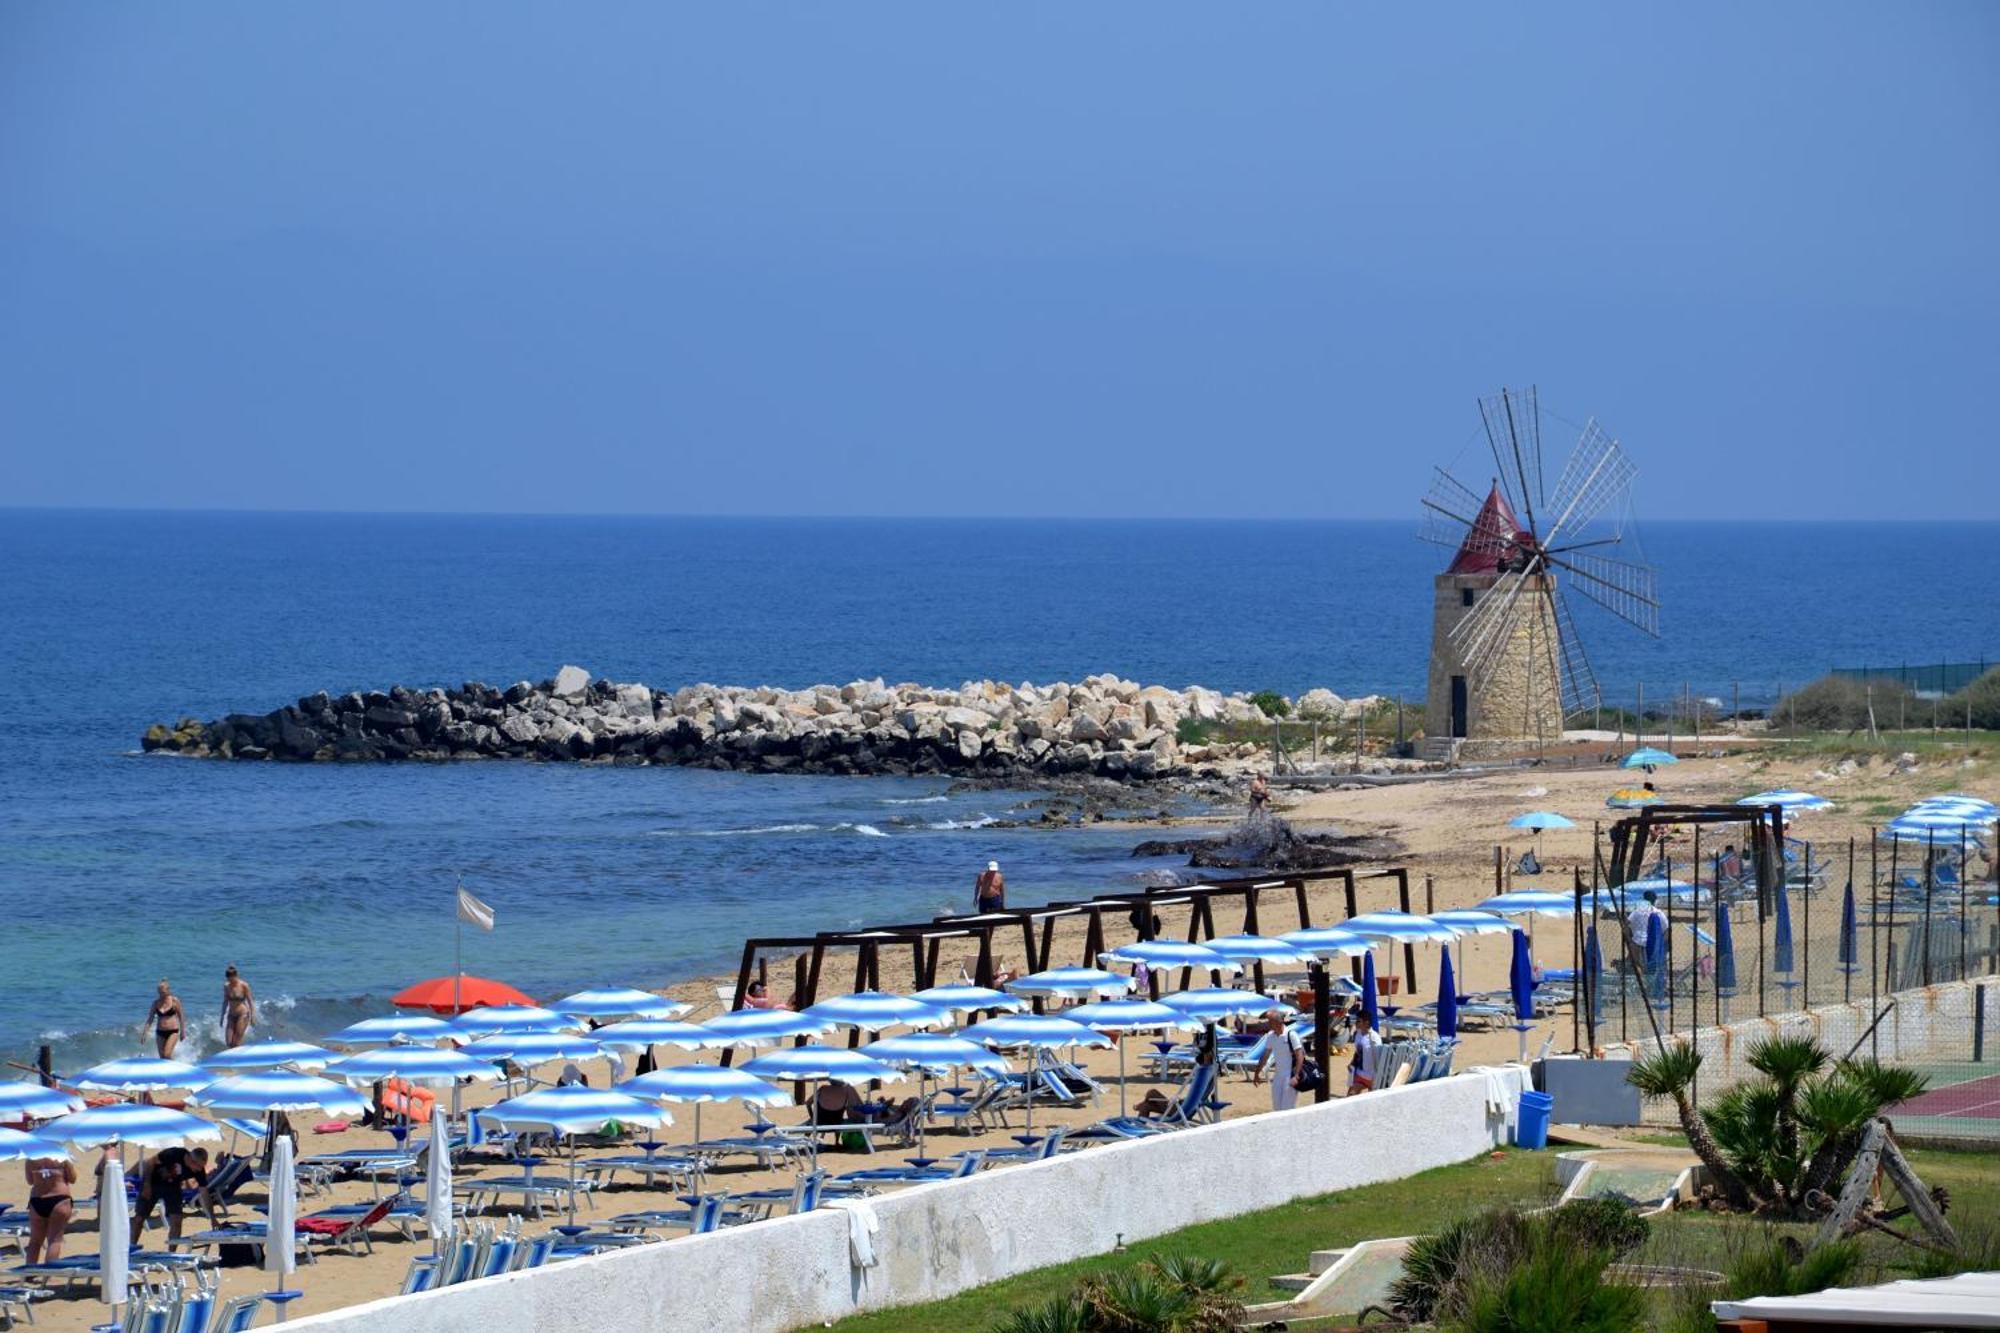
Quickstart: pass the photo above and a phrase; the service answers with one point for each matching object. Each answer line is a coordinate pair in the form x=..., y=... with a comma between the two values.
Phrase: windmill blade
x=1597, y=477
x=1451, y=509
x=1514, y=433
x=1479, y=637
x=1621, y=587
x=1579, y=682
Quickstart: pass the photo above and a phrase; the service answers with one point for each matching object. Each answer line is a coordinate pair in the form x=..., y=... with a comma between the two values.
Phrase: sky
x=1103, y=260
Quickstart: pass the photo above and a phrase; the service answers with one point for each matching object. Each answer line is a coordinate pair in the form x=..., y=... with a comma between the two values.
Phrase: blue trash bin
x=1531, y=1122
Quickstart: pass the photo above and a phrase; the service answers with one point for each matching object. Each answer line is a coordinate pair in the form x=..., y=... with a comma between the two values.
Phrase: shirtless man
x=989, y=891
x=50, y=1180
x=239, y=1007
x=162, y=1184
x=1260, y=794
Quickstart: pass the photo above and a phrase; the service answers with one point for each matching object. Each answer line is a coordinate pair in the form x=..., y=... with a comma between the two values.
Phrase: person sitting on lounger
x=759, y=997
x=836, y=1104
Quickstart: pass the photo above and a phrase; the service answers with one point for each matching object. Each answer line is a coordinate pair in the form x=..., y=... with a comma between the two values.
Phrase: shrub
x=1271, y=704
x=1840, y=703
x=1058, y=1314
x=1984, y=696
x=1556, y=1290
x=1782, y=1268
x=1603, y=1223
x=1441, y=1271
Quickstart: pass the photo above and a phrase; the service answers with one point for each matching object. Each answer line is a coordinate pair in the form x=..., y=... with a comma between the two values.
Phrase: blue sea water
x=330, y=886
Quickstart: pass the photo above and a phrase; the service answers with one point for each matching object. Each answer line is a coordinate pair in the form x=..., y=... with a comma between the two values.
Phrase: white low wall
x=1930, y=1023
x=940, y=1239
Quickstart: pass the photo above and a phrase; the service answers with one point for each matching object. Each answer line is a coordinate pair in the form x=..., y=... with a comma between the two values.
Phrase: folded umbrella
x=1447, y=1005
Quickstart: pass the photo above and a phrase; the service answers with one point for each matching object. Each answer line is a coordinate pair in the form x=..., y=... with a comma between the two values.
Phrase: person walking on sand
x=1260, y=796
x=1285, y=1054
x=1367, y=1051
x=989, y=891
x=239, y=1007
x=50, y=1180
x=166, y=1020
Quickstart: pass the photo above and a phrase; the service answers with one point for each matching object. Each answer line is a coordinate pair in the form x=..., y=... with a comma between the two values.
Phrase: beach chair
x=237, y=1315
x=19, y=1302
x=705, y=1215
x=537, y=1251
x=1050, y=1145
x=802, y=1197
x=342, y=1232
x=421, y=1275
x=975, y=1110
x=467, y=1248
x=961, y=1166
x=500, y=1256
x=1195, y=1105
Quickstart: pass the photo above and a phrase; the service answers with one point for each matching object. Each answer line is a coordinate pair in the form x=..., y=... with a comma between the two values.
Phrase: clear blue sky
x=1054, y=259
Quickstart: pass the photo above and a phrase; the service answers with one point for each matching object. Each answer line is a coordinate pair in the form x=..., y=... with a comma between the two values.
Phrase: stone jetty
x=1101, y=726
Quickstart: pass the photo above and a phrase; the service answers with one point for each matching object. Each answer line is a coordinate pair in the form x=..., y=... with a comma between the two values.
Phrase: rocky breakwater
x=1101, y=726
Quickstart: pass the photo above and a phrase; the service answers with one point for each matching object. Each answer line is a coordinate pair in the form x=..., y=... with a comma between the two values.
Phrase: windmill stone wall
x=1521, y=697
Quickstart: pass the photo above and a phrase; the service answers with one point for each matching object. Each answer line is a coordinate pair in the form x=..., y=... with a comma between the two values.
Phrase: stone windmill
x=1506, y=662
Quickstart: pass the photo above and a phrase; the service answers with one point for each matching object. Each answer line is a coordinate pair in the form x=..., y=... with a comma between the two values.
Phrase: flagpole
x=457, y=947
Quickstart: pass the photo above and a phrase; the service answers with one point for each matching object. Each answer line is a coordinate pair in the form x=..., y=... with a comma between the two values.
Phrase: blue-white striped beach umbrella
x=1958, y=802
x=810, y=1063
x=1660, y=886
x=127, y=1122
x=32, y=1101
x=757, y=1027
x=1172, y=953
x=263, y=1093
x=392, y=1028
x=511, y=1018
x=1249, y=949
x=528, y=1049
x=1399, y=927
x=1935, y=826
x=1040, y=1031
x=1128, y=1016
x=872, y=1011
x=573, y=1109
x=417, y=1064
x=18, y=1147
x=970, y=999
x=1530, y=902
x=1791, y=801
x=269, y=1055
x=1329, y=942
x=1211, y=1004
x=1071, y=981
x=141, y=1073
x=618, y=1002
x=635, y=1034
x=1471, y=921
x=699, y=1084
x=934, y=1053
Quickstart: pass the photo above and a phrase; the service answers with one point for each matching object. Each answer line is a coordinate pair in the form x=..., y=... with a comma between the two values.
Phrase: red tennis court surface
x=1977, y=1100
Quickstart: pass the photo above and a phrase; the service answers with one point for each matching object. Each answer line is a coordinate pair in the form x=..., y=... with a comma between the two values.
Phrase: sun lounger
x=646, y=1166
x=802, y=1197
x=1195, y=1105
x=956, y=1167
x=344, y=1232
x=18, y=1303
x=1049, y=1145
x=534, y=1191
x=766, y=1148
x=704, y=1215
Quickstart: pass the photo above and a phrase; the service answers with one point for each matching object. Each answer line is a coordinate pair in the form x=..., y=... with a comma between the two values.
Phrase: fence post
x=1979, y=1023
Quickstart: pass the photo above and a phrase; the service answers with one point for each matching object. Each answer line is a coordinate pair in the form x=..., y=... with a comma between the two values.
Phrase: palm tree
x=1670, y=1072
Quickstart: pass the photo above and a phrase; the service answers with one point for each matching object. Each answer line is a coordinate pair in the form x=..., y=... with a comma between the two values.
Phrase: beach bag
x=1310, y=1078
x=854, y=1141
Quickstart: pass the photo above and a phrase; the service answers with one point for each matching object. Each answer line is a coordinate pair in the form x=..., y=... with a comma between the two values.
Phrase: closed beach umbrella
x=1369, y=999
x=1213, y=1003
x=393, y=1028
x=1725, y=951
x=1647, y=757
x=1782, y=961
x=1850, y=954
x=1792, y=801
x=1120, y=1016
x=269, y=1055
x=1037, y=1032
x=1631, y=798
x=757, y=1027
x=638, y=1033
x=511, y=1018
x=1539, y=820
x=114, y=1235
x=699, y=1084
x=1593, y=971
x=1071, y=981
x=1530, y=902
x=1521, y=984
x=264, y=1093
x=970, y=999
x=451, y=995
x=32, y=1101
x=417, y=1064
x=143, y=1073
x=1447, y=1006
x=1249, y=949
x=618, y=1002
x=1172, y=953
x=281, y=1234
x=572, y=1110
x=1329, y=942
x=1656, y=965
x=871, y=1011
x=437, y=1182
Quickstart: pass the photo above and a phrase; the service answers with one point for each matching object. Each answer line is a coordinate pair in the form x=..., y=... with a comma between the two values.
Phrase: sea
x=331, y=887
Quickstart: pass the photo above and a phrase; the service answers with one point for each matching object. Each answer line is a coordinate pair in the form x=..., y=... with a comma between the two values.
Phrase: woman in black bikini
x=166, y=1020
x=49, y=1206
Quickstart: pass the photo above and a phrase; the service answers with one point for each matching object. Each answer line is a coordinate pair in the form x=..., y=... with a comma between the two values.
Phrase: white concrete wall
x=937, y=1240
x=1930, y=1023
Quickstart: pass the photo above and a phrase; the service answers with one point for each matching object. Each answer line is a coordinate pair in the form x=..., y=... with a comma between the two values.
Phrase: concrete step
x=1293, y=1281
x=1322, y=1260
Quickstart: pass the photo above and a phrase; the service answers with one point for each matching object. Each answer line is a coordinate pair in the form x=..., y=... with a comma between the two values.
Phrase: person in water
x=239, y=1007
x=166, y=1020
x=989, y=892
x=50, y=1180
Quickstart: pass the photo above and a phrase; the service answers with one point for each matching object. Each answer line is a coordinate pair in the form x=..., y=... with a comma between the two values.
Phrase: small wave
x=915, y=800
x=865, y=830
x=737, y=832
x=984, y=821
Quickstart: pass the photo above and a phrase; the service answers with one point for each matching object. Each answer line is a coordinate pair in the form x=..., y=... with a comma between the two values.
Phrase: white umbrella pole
x=1120, y=1039
x=695, y=1152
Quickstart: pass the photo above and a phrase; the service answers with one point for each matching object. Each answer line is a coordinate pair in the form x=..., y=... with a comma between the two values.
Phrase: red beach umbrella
x=437, y=995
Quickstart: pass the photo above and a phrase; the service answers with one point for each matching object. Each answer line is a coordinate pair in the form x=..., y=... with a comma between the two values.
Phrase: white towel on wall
x=862, y=1224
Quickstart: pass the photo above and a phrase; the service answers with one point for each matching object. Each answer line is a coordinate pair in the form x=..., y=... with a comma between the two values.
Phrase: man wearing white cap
x=989, y=893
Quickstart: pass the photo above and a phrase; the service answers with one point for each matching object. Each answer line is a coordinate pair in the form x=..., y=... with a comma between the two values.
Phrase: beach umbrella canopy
x=618, y=1002
x=934, y=1053
x=269, y=1055
x=965, y=999
x=1447, y=1005
x=1211, y=1003
x=703, y=1083
x=127, y=1122
x=114, y=1233
x=1540, y=819
x=450, y=995
x=1172, y=953
x=573, y=1109
x=281, y=1215
x=1793, y=802
x=1128, y=1016
x=1782, y=961
x=263, y=1093
x=753, y=1027
x=638, y=1033
x=528, y=1049
x=1935, y=825
x=871, y=1011
x=31, y=1101
x=1647, y=757
x=1329, y=941
x=1398, y=926
x=1071, y=981
x=18, y=1147
x=1370, y=999
x=1725, y=951
x=511, y=1018
x=437, y=1180
x=141, y=1073
x=1850, y=953
x=1470, y=921
x=1631, y=798
x=1525, y=902
x=1033, y=1030
x=1958, y=799
x=418, y=1064
x=835, y=1064
x=1248, y=949
x=393, y=1028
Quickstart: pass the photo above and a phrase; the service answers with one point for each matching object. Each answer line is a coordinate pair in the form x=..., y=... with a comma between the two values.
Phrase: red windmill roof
x=1493, y=534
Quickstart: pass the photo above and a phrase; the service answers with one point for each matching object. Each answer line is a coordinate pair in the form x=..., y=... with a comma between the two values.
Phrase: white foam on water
x=984, y=821
x=915, y=800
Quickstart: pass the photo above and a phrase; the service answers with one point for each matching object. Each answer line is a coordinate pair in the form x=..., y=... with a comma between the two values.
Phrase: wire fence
x=1689, y=711
x=1922, y=678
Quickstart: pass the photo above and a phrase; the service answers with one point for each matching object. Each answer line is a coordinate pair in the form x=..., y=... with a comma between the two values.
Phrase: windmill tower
x=1506, y=662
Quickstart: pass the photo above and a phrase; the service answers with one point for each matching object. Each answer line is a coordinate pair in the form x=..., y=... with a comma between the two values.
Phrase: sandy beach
x=1449, y=829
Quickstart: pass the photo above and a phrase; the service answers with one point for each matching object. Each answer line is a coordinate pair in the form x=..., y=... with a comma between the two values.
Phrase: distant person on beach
x=758, y=997
x=49, y=1206
x=239, y=1007
x=166, y=1021
x=1640, y=923
x=1260, y=795
x=1285, y=1055
x=1730, y=865
x=162, y=1181
x=1367, y=1051
x=989, y=892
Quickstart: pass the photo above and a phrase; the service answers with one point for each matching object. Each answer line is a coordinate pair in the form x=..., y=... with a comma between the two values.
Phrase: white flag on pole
x=473, y=912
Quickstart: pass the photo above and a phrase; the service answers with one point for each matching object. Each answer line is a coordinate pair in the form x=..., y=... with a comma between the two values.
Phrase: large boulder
x=570, y=682
x=1320, y=705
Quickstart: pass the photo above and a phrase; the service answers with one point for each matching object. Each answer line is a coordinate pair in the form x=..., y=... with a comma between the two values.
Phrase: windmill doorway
x=1458, y=706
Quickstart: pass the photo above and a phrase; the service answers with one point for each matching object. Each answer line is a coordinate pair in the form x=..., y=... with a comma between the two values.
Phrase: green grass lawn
x=1277, y=1240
